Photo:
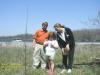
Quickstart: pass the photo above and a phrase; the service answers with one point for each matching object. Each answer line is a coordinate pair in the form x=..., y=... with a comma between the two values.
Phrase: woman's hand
x=62, y=51
x=67, y=47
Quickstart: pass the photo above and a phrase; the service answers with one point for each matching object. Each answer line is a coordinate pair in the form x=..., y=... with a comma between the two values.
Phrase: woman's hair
x=63, y=26
x=59, y=25
x=52, y=35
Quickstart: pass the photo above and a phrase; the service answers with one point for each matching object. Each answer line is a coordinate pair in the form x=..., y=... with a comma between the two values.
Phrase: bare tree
x=94, y=21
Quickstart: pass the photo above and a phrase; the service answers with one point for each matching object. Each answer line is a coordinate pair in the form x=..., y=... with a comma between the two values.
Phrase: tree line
x=87, y=35
x=80, y=35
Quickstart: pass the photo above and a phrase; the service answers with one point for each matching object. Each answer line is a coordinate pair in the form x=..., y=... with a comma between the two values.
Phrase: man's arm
x=34, y=39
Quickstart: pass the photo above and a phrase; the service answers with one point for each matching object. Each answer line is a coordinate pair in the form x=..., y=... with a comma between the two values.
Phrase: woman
x=66, y=42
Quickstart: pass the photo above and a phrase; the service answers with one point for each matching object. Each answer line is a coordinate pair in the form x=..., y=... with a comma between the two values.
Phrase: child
x=50, y=46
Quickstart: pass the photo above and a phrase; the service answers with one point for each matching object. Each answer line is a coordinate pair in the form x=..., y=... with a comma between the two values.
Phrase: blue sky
x=67, y=12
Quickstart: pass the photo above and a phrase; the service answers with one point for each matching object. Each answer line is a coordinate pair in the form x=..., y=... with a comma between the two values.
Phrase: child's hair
x=52, y=35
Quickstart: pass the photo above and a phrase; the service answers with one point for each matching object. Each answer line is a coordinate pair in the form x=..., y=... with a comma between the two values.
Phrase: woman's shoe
x=63, y=71
x=69, y=71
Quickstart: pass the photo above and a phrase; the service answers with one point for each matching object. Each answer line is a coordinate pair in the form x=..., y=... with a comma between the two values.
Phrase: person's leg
x=51, y=65
x=64, y=61
x=36, y=56
x=43, y=57
x=64, y=57
x=48, y=62
x=70, y=58
x=49, y=70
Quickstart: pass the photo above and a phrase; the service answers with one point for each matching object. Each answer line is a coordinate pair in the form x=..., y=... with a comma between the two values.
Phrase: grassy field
x=12, y=60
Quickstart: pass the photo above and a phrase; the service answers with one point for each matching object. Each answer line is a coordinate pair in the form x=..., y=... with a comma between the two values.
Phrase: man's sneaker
x=63, y=71
x=69, y=71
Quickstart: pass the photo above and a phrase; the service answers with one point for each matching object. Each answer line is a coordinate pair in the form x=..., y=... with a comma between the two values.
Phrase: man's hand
x=33, y=44
x=33, y=47
x=45, y=44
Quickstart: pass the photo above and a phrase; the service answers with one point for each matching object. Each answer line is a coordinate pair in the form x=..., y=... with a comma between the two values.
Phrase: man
x=38, y=39
x=66, y=42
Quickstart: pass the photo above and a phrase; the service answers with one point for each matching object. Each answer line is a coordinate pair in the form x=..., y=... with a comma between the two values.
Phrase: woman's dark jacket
x=68, y=37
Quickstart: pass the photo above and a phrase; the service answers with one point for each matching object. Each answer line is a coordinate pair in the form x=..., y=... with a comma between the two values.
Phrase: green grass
x=16, y=56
